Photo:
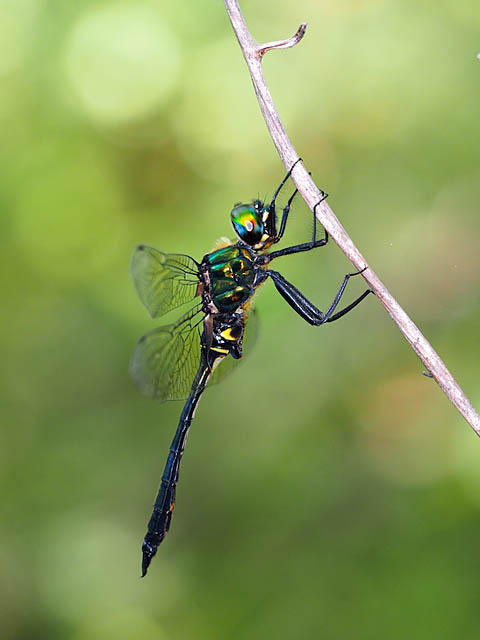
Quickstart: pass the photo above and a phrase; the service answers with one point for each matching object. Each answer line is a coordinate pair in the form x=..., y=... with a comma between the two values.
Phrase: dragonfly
x=176, y=361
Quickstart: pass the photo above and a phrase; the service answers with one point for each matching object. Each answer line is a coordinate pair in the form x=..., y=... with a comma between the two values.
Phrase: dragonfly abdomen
x=159, y=522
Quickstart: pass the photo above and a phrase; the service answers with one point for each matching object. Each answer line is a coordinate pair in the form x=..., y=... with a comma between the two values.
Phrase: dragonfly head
x=250, y=222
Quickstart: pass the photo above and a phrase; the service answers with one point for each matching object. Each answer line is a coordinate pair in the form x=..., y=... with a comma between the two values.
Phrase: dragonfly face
x=254, y=224
x=176, y=361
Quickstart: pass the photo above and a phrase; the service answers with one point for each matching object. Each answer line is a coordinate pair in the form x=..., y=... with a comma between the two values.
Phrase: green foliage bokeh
x=328, y=490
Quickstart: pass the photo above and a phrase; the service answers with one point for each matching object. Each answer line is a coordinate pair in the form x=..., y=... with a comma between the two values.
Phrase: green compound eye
x=248, y=223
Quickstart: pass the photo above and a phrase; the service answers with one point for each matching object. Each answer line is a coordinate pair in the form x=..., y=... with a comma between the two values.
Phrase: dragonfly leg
x=328, y=317
x=272, y=207
x=304, y=246
x=314, y=236
x=285, y=212
x=349, y=307
x=305, y=308
x=289, y=173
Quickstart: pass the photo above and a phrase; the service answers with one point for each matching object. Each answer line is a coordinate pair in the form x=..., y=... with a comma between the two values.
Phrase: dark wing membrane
x=228, y=364
x=166, y=360
x=164, y=281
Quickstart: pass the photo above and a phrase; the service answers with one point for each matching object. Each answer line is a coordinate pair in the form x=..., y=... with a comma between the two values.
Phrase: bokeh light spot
x=122, y=62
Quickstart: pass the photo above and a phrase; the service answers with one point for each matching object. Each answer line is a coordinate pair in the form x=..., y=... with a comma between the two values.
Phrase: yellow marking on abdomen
x=218, y=350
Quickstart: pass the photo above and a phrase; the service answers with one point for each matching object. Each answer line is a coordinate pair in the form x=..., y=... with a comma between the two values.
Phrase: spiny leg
x=328, y=314
x=272, y=203
x=305, y=246
x=306, y=309
x=285, y=212
x=314, y=237
x=272, y=218
x=348, y=308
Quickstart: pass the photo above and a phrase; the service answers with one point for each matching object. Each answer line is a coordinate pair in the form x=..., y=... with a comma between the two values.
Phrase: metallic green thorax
x=232, y=276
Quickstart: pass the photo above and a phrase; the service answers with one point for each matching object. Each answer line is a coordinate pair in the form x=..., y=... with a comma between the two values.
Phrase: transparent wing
x=166, y=360
x=164, y=281
x=228, y=364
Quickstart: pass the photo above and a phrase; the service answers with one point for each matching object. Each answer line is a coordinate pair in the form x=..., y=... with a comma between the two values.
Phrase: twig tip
x=283, y=44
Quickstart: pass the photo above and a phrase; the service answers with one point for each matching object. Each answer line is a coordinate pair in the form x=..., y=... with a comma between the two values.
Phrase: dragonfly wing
x=166, y=360
x=228, y=364
x=164, y=281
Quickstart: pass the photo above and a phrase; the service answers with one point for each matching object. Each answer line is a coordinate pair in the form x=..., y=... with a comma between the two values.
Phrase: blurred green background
x=328, y=490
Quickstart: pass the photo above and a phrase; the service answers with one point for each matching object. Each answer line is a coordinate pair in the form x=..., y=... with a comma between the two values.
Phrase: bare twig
x=253, y=53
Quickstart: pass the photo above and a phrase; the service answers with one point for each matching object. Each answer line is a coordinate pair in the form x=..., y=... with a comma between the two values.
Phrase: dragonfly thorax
x=230, y=277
